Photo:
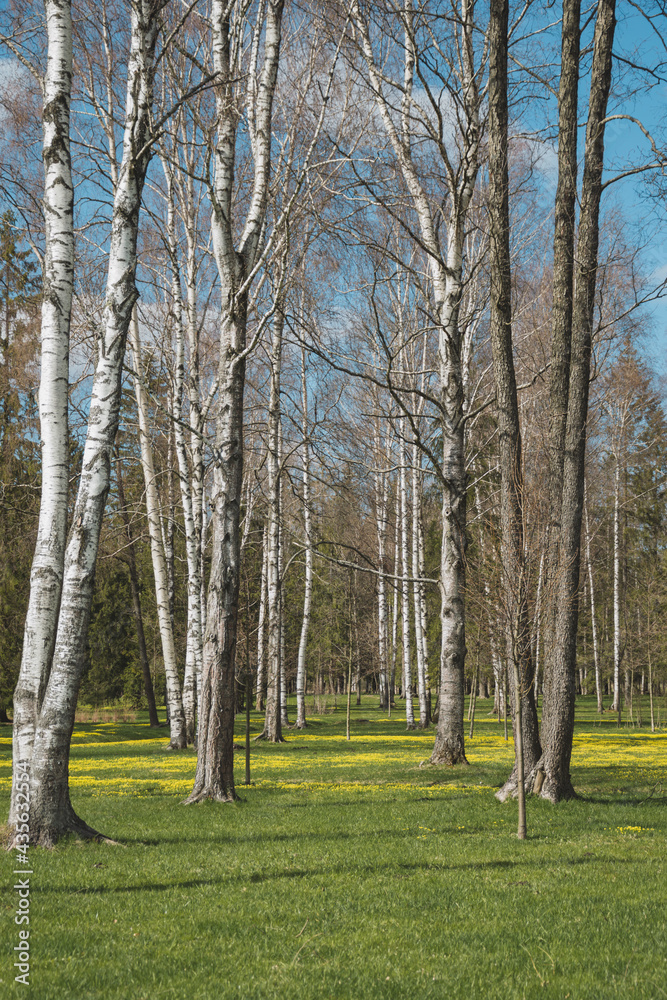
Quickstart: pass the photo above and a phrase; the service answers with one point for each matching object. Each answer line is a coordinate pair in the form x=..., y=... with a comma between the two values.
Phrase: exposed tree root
x=536, y=782
x=47, y=835
x=209, y=793
x=265, y=736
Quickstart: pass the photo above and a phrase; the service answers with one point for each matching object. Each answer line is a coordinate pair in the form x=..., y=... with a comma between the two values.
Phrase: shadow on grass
x=325, y=873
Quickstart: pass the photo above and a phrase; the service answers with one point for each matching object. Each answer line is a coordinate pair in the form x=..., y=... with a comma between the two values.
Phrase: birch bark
x=274, y=687
x=177, y=723
x=214, y=777
x=51, y=811
x=591, y=589
x=446, y=271
x=57, y=276
x=308, y=555
x=261, y=629
x=405, y=585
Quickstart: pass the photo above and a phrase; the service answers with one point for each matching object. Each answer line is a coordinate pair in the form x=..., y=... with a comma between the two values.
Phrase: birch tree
x=403, y=117
x=52, y=814
x=58, y=275
x=236, y=260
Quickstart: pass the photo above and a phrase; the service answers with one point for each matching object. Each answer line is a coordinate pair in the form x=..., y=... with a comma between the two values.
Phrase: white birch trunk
x=193, y=654
x=447, y=277
x=394, y=610
x=405, y=586
x=381, y=501
x=591, y=589
x=616, y=706
x=418, y=591
x=308, y=581
x=51, y=810
x=261, y=630
x=57, y=276
x=214, y=778
x=274, y=695
x=177, y=721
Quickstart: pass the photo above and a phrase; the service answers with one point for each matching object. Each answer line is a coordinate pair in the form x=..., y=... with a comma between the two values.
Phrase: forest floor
x=347, y=870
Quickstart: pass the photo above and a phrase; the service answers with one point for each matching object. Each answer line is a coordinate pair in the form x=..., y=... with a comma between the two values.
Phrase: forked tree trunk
x=559, y=722
x=52, y=814
x=57, y=281
x=214, y=777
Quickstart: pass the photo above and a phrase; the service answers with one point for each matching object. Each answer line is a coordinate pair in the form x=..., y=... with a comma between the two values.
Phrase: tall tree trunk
x=46, y=575
x=418, y=592
x=52, y=814
x=308, y=581
x=559, y=716
x=214, y=777
x=136, y=597
x=178, y=739
x=405, y=586
x=381, y=500
x=517, y=629
x=563, y=292
x=274, y=695
x=616, y=704
x=190, y=501
x=261, y=626
x=591, y=588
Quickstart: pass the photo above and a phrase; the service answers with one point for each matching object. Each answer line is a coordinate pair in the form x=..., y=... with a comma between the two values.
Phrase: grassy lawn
x=347, y=870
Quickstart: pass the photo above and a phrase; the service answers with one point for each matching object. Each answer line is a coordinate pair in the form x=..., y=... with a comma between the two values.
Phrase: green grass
x=349, y=871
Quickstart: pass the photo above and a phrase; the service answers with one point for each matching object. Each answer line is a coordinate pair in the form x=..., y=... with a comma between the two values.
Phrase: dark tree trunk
x=559, y=710
x=526, y=737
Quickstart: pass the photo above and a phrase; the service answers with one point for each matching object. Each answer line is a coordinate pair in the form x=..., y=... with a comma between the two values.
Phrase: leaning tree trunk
x=51, y=813
x=559, y=727
x=517, y=628
x=57, y=279
x=591, y=588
